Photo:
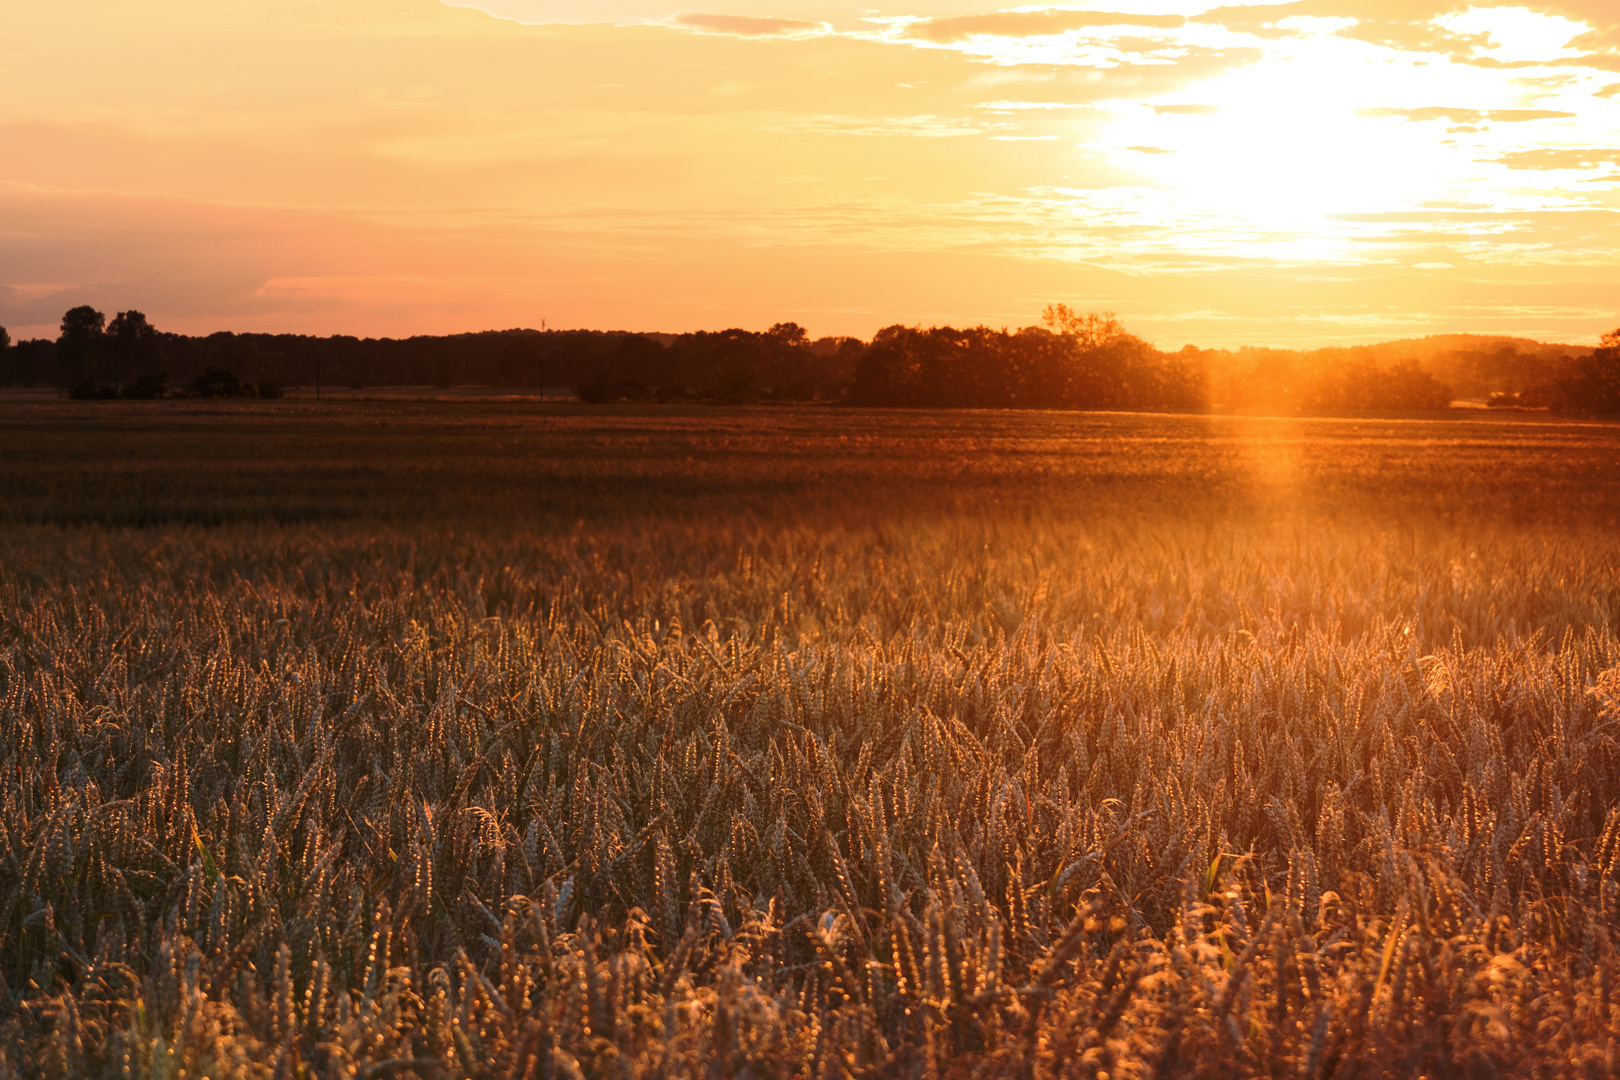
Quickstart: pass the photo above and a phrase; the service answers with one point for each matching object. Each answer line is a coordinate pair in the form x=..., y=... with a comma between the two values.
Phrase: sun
x=1284, y=148
x=1335, y=141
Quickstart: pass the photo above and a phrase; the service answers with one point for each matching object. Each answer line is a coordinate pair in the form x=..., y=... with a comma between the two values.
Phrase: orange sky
x=1305, y=173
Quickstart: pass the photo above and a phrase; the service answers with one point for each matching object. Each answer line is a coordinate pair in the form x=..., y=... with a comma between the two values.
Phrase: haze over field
x=1310, y=173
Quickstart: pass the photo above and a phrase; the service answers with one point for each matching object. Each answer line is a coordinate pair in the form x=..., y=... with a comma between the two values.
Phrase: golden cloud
x=748, y=25
x=1022, y=24
x=1561, y=158
x=1469, y=116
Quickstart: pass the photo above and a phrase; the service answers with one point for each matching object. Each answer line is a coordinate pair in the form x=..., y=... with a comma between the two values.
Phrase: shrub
x=146, y=387
x=220, y=383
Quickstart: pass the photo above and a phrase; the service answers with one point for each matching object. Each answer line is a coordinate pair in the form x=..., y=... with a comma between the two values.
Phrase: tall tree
x=81, y=342
x=133, y=343
x=789, y=333
x=1091, y=330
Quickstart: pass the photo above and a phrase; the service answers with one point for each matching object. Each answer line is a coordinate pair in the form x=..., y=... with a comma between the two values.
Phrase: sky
x=1297, y=174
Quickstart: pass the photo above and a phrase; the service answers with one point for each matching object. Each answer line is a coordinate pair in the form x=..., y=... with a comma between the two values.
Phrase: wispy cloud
x=1034, y=106
x=1560, y=158
x=748, y=25
x=1024, y=24
x=22, y=291
x=925, y=127
x=1469, y=116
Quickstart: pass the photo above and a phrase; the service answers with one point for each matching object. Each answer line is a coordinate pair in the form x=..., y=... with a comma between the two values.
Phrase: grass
x=447, y=740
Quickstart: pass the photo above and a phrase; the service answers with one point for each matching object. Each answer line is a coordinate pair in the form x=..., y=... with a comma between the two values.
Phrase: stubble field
x=448, y=740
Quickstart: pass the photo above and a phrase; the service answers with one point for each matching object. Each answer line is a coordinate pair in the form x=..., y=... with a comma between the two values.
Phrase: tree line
x=1070, y=361
x=127, y=357
x=1073, y=361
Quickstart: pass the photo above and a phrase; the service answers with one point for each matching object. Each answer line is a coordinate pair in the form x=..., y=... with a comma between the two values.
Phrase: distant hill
x=1472, y=366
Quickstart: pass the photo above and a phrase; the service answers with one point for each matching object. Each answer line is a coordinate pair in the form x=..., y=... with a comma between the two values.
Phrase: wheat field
x=798, y=743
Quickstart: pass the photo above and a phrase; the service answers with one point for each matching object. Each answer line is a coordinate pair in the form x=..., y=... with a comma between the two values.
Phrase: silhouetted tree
x=1593, y=384
x=788, y=363
x=1092, y=330
x=5, y=338
x=1106, y=366
x=1075, y=362
x=31, y=361
x=790, y=334
x=521, y=364
x=1503, y=371
x=133, y=343
x=79, y=346
x=894, y=369
x=1360, y=384
x=737, y=388
x=707, y=358
x=636, y=358
x=1407, y=386
x=1185, y=381
x=446, y=370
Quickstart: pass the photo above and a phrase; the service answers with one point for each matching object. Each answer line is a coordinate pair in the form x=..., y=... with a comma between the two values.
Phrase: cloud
x=1186, y=110
x=1022, y=24
x=1595, y=61
x=1448, y=28
x=575, y=12
x=1406, y=25
x=1469, y=116
x=1033, y=106
x=35, y=292
x=748, y=25
x=1420, y=26
x=844, y=14
x=1364, y=10
x=1600, y=15
x=923, y=127
x=1561, y=158
x=1148, y=149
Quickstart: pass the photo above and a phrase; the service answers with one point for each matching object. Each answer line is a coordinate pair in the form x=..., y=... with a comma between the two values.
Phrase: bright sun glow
x=1312, y=146
x=1285, y=150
